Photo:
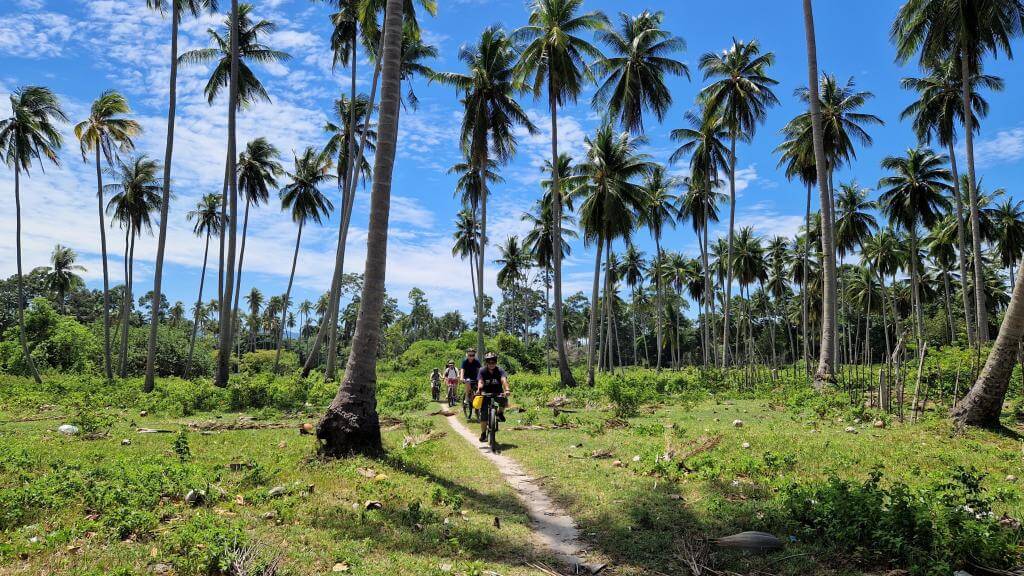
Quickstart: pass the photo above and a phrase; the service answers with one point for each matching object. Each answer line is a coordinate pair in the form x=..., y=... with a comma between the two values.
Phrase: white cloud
x=1007, y=146
x=41, y=35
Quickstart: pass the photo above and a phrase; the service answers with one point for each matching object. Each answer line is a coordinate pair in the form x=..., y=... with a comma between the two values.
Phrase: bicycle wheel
x=492, y=428
x=467, y=406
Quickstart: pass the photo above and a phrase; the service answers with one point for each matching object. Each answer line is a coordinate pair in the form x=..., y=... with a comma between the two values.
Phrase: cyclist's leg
x=484, y=418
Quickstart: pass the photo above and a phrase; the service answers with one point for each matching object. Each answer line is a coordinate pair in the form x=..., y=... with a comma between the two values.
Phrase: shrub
x=55, y=342
x=262, y=362
x=424, y=355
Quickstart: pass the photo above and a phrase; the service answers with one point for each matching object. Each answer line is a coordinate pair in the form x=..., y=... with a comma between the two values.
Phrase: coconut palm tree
x=255, y=301
x=539, y=242
x=632, y=269
x=657, y=213
x=133, y=199
x=1009, y=220
x=940, y=244
x=967, y=31
x=634, y=72
x=750, y=267
x=305, y=202
x=26, y=137
x=740, y=95
x=62, y=278
x=854, y=223
x=106, y=132
x=914, y=195
x=178, y=8
x=515, y=264
x=936, y=113
x=612, y=204
x=208, y=222
x=554, y=56
x=351, y=423
x=489, y=122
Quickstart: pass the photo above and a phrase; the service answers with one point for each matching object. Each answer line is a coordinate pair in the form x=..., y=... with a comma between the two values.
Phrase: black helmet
x=490, y=356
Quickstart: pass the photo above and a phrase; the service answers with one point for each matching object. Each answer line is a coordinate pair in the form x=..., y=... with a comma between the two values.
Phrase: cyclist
x=435, y=384
x=468, y=373
x=451, y=376
x=492, y=380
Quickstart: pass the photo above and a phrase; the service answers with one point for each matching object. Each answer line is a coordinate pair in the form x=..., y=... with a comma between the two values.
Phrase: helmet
x=451, y=363
x=490, y=356
x=470, y=350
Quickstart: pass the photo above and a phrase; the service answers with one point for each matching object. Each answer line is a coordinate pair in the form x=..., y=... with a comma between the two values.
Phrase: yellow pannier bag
x=478, y=402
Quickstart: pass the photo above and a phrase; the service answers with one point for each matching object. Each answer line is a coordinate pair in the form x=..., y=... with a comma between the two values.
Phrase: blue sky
x=80, y=48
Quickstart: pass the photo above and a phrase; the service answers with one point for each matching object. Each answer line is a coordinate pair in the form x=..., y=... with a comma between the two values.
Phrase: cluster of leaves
x=928, y=531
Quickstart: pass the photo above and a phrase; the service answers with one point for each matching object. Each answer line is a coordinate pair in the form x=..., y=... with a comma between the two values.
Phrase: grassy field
x=648, y=482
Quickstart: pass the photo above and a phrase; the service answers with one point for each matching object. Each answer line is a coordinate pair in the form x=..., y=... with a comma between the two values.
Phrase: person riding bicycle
x=492, y=380
x=451, y=375
x=468, y=373
x=435, y=383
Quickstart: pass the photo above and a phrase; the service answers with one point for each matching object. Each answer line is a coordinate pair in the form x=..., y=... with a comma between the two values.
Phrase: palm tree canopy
x=195, y=8
x=258, y=170
x=340, y=144
x=539, y=241
x=741, y=92
x=571, y=181
x=552, y=50
x=1009, y=220
x=250, y=89
x=302, y=196
x=935, y=29
x=658, y=211
x=466, y=235
x=632, y=266
x=106, y=129
x=62, y=278
x=635, y=71
x=614, y=199
x=699, y=204
x=842, y=125
x=914, y=194
x=31, y=133
x=136, y=194
x=854, y=220
x=514, y=261
x=939, y=108
x=704, y=142
x=207, y=217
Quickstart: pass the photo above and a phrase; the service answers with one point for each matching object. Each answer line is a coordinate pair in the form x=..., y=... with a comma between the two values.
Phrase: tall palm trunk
x=199, y=302
x=983, y=404
x=949, y=309
x=972, y=188
x=287, y=298
x=961, y=251
x=728, y=252
x=658, y=308
x=21, y=283
x=238, y=280
x=564, y=372
x=825, y=372
x=107, y=370
x=636, y=355
x=709, y=294
x=226, y=325
x=483, y=248
x=351, y=424
x=609, y=314
x=915, y=281
x=804, y=305
x=547, y=330
x=129, y=300
x=592, y=326
x=161, y=243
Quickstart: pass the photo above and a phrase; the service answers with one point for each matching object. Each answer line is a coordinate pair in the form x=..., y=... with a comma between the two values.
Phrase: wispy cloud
x=1006, y=147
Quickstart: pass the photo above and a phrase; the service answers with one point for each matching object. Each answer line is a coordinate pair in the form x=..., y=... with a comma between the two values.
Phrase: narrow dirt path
x=552, y=526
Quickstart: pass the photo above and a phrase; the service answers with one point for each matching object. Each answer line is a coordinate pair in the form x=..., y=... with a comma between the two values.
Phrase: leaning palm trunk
x=915, y=281
x=351, y=424
x=592, y=327
x=972, y=188
x=226, y=323
x=199, y=302
x=287, y=298
x=984, y=403
x=107, y=370
x=961, y=251
x=161, y=243
x=564, y=372
x=825, y=372
x=21, y=283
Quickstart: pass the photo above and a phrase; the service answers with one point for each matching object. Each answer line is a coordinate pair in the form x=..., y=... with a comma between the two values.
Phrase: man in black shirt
x=470, y=371
x=492, y=380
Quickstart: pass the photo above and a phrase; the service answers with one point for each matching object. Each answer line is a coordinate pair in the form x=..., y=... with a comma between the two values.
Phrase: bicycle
x=435, y=391
x=452, y=397
x=492, y=420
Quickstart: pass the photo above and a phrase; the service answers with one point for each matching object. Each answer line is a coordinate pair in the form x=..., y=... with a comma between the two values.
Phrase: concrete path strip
x=553, y=528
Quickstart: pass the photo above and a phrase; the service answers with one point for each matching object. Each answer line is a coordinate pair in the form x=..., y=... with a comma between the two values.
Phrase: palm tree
x=467, y=242
x=208, y=222
x=106, y=132
x=134, y=198
x=255, y=301
x=854, y=223
x=749, y=267
x=554, y=56
x=656, y=214
x=29, y=135
x=488, y=124
x=740, y=96
x=62, y=278
x=178, y=7
x=632, y=269
x=610, y=209
x=635, y=72
x=1009, y=220
x=351, y=423
x=515, y=263
x=539, y=241
x=914, y=195
x=966, y=31
x=303, y=198
x=935, y=114
x=703, y=141
x=258, y=170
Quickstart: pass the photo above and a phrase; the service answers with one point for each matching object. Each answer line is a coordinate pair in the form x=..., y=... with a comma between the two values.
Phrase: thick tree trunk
x=825, y=374
x=287, y=300
x=226, y=325
x=565, y=374
x=984, y=403
x=351, y=424
x=592, y=328
x=21, y=283
x=161, y=243
x=199, y=302
x=107, y=369
x=972, y=188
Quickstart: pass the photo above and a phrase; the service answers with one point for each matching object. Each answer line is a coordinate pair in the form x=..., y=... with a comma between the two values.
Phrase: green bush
x=262, y=362
x=425, y=355
x=55, y=342
x=267, y=391
x=929, y=531
x=171, y=352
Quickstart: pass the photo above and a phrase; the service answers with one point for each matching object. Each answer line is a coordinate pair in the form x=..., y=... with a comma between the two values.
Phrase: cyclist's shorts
x=485, y=410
